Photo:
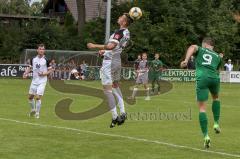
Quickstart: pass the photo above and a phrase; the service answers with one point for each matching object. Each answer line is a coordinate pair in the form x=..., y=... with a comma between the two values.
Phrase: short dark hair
x=208, y=41
x=41, y=45
x=129, y=19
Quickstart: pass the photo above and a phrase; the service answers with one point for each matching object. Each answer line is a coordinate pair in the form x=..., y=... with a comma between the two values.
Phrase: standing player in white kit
x=40, y=69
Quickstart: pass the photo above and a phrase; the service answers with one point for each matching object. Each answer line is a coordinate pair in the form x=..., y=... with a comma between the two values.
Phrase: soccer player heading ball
x=111, y=67
x=40, y=69
x=207, y=79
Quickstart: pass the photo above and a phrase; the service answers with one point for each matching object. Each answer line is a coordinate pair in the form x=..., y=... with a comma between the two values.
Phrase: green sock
x=203, y=123
x=216, y=110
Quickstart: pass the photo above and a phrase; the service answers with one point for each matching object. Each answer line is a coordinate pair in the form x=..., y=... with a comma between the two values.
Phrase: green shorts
x=206, y=84
x=153, y=76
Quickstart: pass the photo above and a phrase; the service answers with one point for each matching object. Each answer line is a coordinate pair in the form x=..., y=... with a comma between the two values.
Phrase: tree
x=81, y=15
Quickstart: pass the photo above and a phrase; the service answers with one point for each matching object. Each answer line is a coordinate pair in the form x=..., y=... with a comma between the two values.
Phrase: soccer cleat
x=123, y=117
x=216, y=128
x=37, y=116
x=32, y=113
x=207, y=142
x=114, y=122
x=147, y=98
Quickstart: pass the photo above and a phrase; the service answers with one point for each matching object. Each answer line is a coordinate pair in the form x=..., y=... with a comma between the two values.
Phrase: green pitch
x=50, y=137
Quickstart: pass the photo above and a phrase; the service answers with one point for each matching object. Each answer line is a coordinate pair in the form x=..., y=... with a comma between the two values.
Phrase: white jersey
x=121, y=38
x=229, y=67
x=39, y=65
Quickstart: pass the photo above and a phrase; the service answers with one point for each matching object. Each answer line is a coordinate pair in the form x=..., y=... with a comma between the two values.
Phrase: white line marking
x=124, y=137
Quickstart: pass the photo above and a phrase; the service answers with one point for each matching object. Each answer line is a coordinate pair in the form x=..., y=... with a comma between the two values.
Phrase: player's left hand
x=90, y=45
x=184, y=64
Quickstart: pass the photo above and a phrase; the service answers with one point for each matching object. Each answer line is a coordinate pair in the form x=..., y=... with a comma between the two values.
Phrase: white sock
x=134, y=92
x=32, y=104
x=114, y=113
x=147, y=92
x=38, y=106
x=118, y=94
x=111, y=103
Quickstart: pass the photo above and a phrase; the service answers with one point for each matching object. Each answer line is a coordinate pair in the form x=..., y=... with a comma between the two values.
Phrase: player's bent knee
x=30, y=97
x=38, y=97
x=202, y=106
x=215, y=97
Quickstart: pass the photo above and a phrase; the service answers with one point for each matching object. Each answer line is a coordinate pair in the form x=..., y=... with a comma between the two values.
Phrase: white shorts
x=37, y=89
x=110, y=72
x=142, y=78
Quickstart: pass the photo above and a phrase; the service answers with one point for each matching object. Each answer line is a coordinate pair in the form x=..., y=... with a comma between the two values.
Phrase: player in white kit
x=40, y=69
x=111, y=67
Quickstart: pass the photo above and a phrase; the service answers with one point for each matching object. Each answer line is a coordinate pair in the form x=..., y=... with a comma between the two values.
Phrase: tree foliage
x=167, y=26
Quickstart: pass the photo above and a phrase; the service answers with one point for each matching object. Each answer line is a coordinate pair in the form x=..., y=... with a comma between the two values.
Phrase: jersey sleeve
x=47, y=62
x=118, y=35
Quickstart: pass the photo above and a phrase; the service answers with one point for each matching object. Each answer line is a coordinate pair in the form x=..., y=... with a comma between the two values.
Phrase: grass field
x=50, y=137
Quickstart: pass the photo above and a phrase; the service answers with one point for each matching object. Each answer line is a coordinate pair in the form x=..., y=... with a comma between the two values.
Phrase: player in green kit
x=207, y=79
x=156, y=72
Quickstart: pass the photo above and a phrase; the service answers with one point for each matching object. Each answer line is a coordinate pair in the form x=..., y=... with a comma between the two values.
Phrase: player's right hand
x=184, y=64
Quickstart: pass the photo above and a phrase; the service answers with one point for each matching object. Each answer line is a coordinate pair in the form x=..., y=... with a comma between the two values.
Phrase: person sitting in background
x=57, y=73
x=28, y=61
x=84, y=67
x=75, y=75
x=65, y=74
x=53, y=65
x=191, y=63
x=228, y=66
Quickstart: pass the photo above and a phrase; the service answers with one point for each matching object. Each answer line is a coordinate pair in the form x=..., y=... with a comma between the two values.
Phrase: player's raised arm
x=191, y=50
x=108, y=46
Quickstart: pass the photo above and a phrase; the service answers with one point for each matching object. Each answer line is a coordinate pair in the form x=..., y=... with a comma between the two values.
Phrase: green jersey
x=156, y=65
x=207, y=63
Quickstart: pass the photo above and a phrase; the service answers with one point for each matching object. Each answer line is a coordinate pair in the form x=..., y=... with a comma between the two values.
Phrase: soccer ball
x=135, y=13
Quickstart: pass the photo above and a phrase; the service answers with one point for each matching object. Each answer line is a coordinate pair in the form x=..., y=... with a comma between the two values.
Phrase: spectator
x=74, y=74
x=53, y=64
x=65, y=73
x=191, y=63
x=28, y=62
x=228, y=66
x=83, y=67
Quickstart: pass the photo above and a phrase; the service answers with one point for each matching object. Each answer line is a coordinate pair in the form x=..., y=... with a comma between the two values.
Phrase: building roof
x=94, y=8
